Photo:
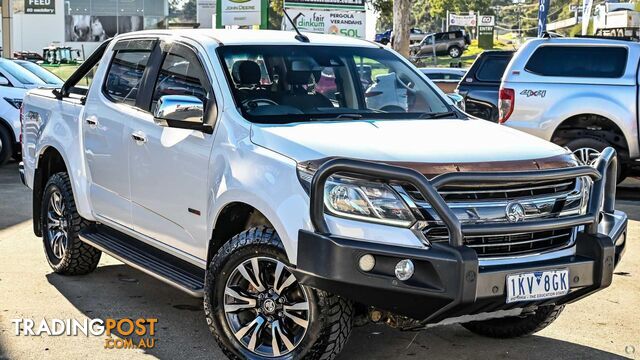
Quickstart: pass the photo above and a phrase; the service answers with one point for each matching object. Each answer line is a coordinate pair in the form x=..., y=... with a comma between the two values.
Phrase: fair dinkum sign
x=335, y=22
x=326, y=4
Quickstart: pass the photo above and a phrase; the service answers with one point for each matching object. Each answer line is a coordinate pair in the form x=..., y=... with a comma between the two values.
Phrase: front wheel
x=256, y=308
x=516, y=326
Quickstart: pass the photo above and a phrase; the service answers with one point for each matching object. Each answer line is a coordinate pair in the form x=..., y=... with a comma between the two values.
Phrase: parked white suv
x=14, y=82
x=210, y=160
x=576, y=92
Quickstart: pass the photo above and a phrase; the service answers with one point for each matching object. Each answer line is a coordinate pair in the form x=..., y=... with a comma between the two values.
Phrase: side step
x=144, y=257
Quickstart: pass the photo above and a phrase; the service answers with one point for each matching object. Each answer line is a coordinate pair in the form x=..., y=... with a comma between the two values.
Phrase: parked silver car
x=452, y=43
x=576, y=92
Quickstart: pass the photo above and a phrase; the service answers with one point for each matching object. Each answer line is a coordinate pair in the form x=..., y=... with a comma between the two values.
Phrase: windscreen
x=297, y=83
x=19, y=73
x=43, y=74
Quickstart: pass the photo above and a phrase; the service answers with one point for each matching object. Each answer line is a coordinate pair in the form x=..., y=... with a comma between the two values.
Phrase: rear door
x=108, y=112
x=169, y=167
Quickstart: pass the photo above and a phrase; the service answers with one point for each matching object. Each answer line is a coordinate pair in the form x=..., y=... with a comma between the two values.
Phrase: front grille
x=497, y=191
x=508, y=244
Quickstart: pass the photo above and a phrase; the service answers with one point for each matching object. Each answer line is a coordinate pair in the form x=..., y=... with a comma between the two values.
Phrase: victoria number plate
x=537, y=285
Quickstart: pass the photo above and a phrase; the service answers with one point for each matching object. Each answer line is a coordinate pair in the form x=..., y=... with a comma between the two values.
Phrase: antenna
x=300, y=37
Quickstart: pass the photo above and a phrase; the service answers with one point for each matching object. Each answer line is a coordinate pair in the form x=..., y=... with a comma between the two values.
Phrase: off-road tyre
x=516, y=326
x=79, y=258
x=331, y=317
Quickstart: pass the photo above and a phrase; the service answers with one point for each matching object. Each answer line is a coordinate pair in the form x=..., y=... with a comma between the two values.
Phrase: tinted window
x=492, y=69
x=125, y=74
x=180, y=76
x=578, y=61
x=19, y=73
x=40, y=72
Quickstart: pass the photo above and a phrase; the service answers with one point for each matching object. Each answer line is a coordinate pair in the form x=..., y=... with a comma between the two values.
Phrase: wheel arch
x=233, y=218
x=49, y=162
x=592, y=125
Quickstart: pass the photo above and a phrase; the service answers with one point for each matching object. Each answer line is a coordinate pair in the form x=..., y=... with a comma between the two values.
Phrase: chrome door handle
x=139, y=136
x=92, y=121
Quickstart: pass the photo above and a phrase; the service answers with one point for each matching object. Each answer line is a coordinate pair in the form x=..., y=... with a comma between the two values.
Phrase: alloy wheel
x=265, y=307
x=586, y=155
x=57, y=225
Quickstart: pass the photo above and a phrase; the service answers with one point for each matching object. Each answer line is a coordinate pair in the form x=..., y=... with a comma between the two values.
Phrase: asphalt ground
x=603, y=326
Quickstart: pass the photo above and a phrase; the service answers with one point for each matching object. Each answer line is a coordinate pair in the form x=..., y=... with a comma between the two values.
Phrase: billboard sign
x=241, y=12
x=40, y=7
x=326, y=4
x=462, y=20
x=345, y=23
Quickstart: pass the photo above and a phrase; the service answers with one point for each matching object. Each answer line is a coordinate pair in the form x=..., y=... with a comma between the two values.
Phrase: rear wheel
x=6, y=145
x=516, y=326
x=454, y=52
x=587, y=151
x=256, y=308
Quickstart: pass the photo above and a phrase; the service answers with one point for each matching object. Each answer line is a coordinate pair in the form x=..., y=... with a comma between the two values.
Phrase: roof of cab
x=582, y=41
x=255, y=37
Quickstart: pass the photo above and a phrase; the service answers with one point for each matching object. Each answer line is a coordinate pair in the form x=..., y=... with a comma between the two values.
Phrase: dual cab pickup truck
x=210, y=160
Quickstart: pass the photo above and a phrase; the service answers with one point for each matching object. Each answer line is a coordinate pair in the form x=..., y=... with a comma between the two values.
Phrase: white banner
x=336, y=22
x=586, y=15
x=241, y=12
x=462, y=20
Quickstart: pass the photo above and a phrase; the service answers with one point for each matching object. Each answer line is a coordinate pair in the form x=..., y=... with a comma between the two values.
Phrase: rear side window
x=578, y=61
x=492, y=68
x=125, y=73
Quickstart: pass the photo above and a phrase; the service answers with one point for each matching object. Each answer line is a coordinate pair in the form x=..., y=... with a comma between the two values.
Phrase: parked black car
x=481, y=84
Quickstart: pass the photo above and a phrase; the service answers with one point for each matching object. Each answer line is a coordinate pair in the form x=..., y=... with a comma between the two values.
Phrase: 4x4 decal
x=535, y=93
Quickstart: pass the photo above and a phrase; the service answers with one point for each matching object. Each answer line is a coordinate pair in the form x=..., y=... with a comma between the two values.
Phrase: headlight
x=16, y=103
x=362, y=200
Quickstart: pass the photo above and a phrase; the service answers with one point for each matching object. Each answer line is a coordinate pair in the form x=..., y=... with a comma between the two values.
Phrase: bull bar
x=450, y=281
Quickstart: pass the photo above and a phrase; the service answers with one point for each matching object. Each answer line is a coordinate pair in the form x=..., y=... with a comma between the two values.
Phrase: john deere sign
x=241, y=12
x=336, y=22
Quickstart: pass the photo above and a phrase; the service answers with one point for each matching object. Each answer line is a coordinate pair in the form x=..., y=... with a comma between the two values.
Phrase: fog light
x=367, y=262
x=404, y=269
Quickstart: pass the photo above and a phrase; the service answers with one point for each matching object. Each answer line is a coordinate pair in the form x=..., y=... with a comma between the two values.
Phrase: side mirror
x=4, y=81
x=180, y=111
x=458, y=100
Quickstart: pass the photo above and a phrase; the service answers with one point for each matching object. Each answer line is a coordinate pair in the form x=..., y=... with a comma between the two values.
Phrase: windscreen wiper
x=438, y=115
x=338, y=117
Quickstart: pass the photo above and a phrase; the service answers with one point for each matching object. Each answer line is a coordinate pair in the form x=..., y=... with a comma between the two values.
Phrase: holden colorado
x=253, y=169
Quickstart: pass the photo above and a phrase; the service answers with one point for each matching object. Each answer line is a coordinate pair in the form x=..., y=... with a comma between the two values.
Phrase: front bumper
x=448, y=282
x=449, y=279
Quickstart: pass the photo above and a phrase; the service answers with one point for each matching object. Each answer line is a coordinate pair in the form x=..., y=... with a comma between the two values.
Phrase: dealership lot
x=603, y=326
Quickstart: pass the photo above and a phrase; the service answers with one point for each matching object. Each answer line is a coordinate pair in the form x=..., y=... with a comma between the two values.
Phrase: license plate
x=537, y=285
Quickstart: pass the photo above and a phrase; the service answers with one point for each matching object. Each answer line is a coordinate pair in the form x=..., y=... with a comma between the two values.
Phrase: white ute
x=245, y=167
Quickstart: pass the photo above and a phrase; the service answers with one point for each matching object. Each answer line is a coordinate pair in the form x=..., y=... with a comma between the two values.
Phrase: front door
x=110, y=107
x=169, y=167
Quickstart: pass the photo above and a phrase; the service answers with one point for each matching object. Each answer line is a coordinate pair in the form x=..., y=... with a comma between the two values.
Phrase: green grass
x=62, y=71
